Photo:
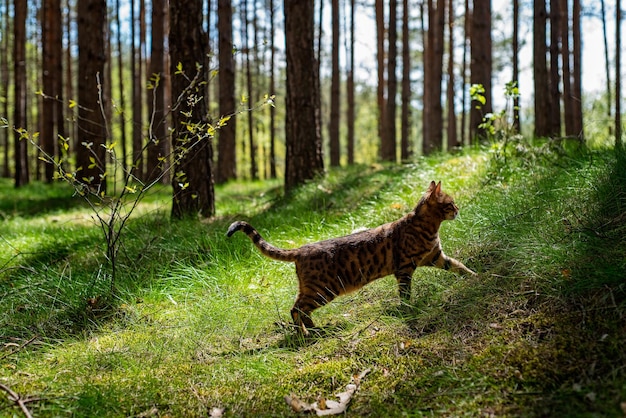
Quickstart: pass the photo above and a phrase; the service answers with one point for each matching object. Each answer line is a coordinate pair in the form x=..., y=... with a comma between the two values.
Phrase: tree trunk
x=515, y=47
x=433, y=110
x=540, y=71
x=453, y=141
x=333, y=127
x=607, y=67
x=303, y=137
x=273, y=172
x=480, y=66
x=4, y=85
x=192, y=145
x=19, y=85
x=380, y=59
x=137, y=93
x=351, y=110
x=227, y=157
x=577, y=72
x=122, y=90
x=466, y=46
x=388, y=143
x=618, y=76
x=405, y=130
x=555, y=94
x=566, y=71
x=158, y=149
x=52, y=68
x=91, y=156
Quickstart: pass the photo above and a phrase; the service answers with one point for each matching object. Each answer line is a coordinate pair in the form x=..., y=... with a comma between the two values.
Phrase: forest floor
x=196, y=326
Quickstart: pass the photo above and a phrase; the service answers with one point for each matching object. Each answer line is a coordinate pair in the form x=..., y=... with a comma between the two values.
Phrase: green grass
x=198, y=320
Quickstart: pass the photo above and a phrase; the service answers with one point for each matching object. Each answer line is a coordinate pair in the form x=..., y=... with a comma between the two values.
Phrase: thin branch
x=18, y=400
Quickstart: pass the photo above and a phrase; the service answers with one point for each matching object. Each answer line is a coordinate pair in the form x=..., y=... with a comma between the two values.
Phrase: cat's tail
x=265, y=247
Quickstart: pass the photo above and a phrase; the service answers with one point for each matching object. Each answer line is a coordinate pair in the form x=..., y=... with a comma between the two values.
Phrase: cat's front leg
x=455, y=266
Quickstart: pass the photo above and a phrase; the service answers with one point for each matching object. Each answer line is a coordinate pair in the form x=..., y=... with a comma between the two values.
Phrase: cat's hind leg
x=307, y=301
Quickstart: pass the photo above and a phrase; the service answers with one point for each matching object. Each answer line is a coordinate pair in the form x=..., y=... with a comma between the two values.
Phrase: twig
x=18, y=400
x=21, y=347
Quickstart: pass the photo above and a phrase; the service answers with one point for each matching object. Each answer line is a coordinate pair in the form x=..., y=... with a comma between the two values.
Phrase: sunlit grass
x=201, y=321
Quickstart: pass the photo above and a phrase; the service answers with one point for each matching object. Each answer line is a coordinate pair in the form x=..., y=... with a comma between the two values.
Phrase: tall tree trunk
x=4, y=85
x=52, y=68
x=566, y=70
x=273, y=172
x=540, y=71
x=405, y=130
x=577, y=73
x=19, y=85
x=122, y=90
x=433, y=111
x=466, y=46
x=453, y=141
x=515, y=47
x=158, y=148
x=192, y=145
x=607, y=67
x=351, y=110
x=380, y=60
x=555, y=94
x=303, y=137
x=619, y=145
x=137, y=93
x=227, y=157
x=91, y=156
x=480, y=67
x=250, y=85
x=388, y=143
x=333, y=127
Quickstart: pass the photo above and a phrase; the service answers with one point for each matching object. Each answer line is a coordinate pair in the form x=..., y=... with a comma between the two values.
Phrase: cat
x=337, y=266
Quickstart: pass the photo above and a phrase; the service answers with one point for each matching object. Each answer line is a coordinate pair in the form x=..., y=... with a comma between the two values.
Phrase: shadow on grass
x=35, y=199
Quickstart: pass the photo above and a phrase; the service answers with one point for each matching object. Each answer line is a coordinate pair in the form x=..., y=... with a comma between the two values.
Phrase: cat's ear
x=432, y=187
x=437, y=188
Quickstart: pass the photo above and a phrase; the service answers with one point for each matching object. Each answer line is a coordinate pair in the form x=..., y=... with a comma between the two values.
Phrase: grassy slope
x=197, y=321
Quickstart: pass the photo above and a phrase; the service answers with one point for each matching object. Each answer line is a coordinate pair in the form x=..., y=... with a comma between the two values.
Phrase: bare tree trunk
x=350, y=111
x=566, y=71
x=540, y=71
x=607, y=67
x=250, y=85
x=433, y=110
x=193, y=192
x=333, y=127
x=19, y=85
x=227, y=157
x=515, y=46
x=91, y=156
x=303, y=134
x=577, y=76
x=452, y=135
x=618, y=76
x=52, y=122
x=137, y=93
x=388, y=144
x=480, y=67
x=4, y=85
x=405, y=146
x=273, y=172
x=120, y=77
x=380, y=59
x=555, y=94
x=158, y=148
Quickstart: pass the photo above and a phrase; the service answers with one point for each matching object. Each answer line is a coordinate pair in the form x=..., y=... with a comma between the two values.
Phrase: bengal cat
x=334, y=267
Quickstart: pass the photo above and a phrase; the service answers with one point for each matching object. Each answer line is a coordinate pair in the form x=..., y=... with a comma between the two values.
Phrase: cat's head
x=438, y=204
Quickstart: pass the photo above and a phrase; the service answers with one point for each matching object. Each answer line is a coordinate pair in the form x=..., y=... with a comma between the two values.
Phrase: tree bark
x=333, y=127
x=555, y=77
x=453, y=142
x=193, y=149
x=351, y=110
x=91, y=155
x=540, y=71
x=388, y=143
x=158, y=148
x=405, y=130
x=227, y=157
x=433, y=61
x=480, y=67
x=303, y=135
x=20, y=155
x=380, y=60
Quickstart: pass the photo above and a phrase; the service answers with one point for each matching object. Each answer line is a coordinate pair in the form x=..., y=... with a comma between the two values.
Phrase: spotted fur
x=334, y=267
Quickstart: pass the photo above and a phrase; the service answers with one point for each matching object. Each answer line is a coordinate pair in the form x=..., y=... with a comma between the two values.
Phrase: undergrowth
x=201, y=321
